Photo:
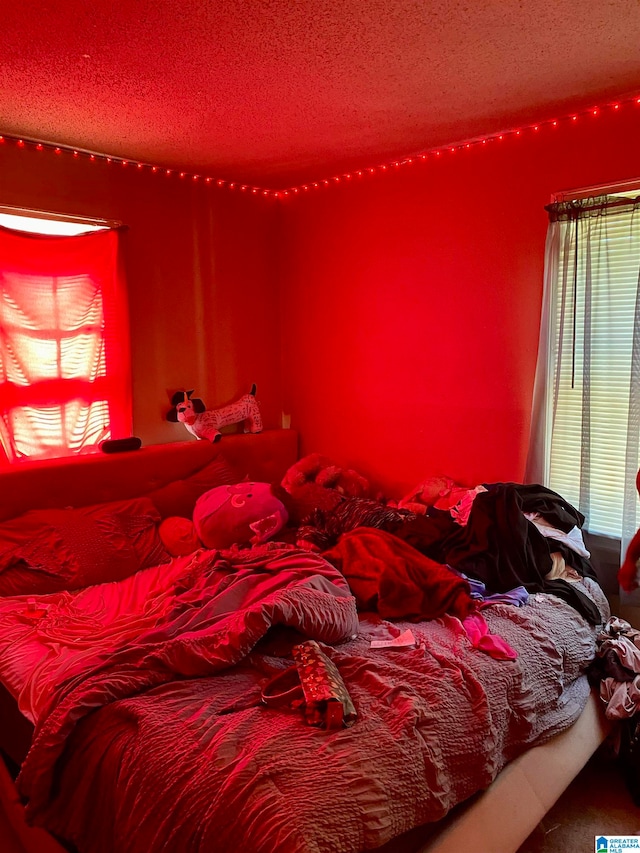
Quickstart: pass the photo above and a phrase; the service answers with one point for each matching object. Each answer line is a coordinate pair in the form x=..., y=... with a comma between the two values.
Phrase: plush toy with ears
x=206, y=423
x=630, y=568
x=316, y=482
x=439, y=492
x=243, y=514
x=319, y=469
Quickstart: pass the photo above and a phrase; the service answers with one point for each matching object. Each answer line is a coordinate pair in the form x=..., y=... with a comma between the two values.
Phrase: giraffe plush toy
x=207, y=423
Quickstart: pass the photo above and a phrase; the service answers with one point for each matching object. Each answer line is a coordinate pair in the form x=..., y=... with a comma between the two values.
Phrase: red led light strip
x=135, y=164
x=421, y=157
x=435, y=153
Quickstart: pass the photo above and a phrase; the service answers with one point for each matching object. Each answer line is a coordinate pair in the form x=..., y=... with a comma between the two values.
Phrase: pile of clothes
x=615, y=671
x=508, y=536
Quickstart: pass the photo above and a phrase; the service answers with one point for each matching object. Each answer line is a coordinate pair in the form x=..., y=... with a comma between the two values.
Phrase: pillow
x=49, y=550
x=179, y=536
x=179, y=497
x=139, y=520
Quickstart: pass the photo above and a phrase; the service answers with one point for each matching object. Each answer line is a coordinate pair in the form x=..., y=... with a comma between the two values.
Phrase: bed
x=132, y=707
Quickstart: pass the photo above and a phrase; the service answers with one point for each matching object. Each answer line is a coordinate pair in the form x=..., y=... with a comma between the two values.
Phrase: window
x=64, y=343
x=586, y=420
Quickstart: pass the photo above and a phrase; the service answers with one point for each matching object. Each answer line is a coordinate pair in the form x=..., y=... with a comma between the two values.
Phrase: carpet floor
x=596, y=803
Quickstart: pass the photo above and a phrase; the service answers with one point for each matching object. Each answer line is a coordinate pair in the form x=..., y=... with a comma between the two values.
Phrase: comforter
x=164, y=743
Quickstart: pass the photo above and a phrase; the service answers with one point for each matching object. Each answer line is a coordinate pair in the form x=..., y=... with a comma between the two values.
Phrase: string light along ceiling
x=432, y=155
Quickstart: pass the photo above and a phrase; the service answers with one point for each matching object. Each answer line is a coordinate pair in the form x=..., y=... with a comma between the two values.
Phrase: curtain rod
x=576, y=208
x=597, y=190
x=60, y=217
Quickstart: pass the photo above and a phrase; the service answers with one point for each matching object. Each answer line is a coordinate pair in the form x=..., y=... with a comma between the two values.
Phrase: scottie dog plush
x=207, y=423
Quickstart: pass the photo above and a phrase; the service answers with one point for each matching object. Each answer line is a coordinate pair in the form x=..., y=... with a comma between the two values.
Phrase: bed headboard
x=102, y=477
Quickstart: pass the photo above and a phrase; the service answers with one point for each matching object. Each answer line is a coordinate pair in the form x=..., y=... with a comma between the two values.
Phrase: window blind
x=64, y=355
x=593, y=322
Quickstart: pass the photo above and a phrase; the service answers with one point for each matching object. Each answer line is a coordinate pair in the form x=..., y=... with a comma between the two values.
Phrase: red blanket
x=222, y=607
x=388, y=575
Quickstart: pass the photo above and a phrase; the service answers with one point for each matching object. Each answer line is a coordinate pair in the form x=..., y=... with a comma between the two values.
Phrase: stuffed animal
x=315, y=482
x=346, y=481
x=242, y=514
x=319, y=469
x=442, y=493
x=630, y=568
x=439, y=492
x=206, y=423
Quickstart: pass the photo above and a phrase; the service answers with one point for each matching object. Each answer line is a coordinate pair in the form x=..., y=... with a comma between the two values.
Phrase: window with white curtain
x=64, y=362
x=586, y=415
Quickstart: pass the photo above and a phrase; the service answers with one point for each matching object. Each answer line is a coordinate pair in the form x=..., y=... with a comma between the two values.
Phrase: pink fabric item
x=179, y=536
x=622, y=698
x=462, y=509
x=477, y=631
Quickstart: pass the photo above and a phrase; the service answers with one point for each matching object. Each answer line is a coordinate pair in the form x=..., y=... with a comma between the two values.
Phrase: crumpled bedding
x=231, y=594
x=390, y=576
x=163, y=743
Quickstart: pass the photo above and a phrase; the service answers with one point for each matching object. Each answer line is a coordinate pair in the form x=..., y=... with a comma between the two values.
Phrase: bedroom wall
x=200, y=271
x=411, y=302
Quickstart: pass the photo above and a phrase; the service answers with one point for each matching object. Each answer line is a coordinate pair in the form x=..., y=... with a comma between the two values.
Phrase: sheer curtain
x=64, y=344
x=586, y=408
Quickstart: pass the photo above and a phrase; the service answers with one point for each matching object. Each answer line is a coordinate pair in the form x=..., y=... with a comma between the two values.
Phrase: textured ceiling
x=274, y=92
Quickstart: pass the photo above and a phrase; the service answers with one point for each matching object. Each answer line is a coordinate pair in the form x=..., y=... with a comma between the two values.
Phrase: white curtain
x=64, y=344
x=585, y=439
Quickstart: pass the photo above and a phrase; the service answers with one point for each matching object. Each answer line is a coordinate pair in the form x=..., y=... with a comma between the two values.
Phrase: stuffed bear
x=346, y=481
x=304, y=471
x=316, y=468
x=316, y=482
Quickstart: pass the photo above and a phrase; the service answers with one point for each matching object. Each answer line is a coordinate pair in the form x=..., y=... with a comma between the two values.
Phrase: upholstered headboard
x=102, y=477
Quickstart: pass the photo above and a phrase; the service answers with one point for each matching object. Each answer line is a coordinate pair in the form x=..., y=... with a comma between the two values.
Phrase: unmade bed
x=138, y=720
